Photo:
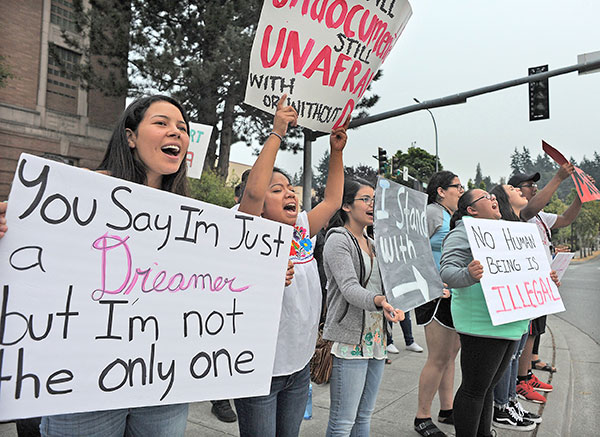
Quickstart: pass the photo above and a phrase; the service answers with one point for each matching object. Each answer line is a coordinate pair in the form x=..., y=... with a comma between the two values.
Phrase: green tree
x=211, y=189
x=420, y=163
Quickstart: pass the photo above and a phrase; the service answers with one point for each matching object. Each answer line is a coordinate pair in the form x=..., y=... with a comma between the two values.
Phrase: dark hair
x=441, y=179
x=463, y=203
x=244, y=182
x=506, y=209
x=351, y=187
x=123, y=162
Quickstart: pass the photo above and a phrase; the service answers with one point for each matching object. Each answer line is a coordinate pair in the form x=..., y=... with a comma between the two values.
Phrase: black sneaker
x=428, y=429
x=507, y=418
x=223, y=411
x=535, y=418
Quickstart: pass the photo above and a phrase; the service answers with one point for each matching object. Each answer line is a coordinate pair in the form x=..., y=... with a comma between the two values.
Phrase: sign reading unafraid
x=516, y=273
x=119, y=295
x=408, y=271
x=322, y=54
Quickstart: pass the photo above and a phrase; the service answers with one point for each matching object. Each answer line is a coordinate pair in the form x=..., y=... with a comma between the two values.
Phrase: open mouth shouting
x=171, y=150
x=291, y=207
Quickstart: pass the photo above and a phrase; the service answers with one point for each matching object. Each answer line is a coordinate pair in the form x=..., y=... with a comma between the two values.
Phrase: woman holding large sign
x=148, y=146
x=443, y=191
x=269, y=193
x=356, y=307
x=486, y=349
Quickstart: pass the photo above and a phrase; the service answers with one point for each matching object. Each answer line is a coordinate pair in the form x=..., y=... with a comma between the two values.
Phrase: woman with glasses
x=356, y=313
x=485, y=349
x=443, y=191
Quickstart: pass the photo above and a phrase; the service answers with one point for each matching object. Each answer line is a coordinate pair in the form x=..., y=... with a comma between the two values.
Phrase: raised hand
x=338, y=136
x=284, y=116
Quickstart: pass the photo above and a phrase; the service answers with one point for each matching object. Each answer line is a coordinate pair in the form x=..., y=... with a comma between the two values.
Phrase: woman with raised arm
x=269, y=193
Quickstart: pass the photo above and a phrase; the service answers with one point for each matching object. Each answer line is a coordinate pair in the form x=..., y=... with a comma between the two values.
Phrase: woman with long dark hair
x=356, y=313
x=443, y=192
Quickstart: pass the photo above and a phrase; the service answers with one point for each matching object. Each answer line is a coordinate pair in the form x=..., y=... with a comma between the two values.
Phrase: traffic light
x=539, y=101
x=382, y=159
x=395, y=166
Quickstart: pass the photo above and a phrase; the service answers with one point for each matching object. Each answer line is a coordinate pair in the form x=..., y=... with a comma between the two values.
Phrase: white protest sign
x=322, y=54
x=199, y=139
x=118, y=295
x=516, y=274
x=560, y=262
x=408, y=271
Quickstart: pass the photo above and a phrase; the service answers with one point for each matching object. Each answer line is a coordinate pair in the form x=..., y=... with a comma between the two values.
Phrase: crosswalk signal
x=382, y=158
x=539, y=101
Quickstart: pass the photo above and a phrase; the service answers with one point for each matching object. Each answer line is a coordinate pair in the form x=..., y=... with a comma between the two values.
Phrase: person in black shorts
x=443, y=191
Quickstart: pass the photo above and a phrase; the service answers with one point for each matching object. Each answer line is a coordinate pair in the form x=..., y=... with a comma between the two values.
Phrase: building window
x=62, y=87
x=62, y=14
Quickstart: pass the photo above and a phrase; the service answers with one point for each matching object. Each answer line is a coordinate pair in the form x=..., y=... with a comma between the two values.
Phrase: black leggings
x=483, y=362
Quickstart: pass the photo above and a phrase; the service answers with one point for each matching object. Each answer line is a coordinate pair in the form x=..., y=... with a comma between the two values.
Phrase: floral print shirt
x=373, y=338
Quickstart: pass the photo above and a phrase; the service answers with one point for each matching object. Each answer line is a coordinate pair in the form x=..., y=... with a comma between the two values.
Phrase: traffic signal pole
x=452, y=99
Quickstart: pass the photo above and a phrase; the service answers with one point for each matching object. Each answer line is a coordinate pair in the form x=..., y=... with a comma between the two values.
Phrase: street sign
x=405, y=174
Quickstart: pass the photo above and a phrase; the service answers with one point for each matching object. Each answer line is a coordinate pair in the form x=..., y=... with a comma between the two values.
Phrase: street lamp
x=437, y=159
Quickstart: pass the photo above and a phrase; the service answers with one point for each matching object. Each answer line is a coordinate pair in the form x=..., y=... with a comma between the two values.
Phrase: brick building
x=43, y=110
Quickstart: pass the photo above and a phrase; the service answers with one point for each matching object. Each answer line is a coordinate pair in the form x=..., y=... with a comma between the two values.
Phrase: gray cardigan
x=346, y=298
x=456, y=256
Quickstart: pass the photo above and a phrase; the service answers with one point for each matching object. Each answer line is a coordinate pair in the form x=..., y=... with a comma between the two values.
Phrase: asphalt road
x=580, y=291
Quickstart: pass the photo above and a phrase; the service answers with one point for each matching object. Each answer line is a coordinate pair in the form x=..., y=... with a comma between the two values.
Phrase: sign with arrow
x=410, y=277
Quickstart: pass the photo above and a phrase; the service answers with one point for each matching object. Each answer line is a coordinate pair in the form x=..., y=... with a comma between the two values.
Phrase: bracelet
x=277, y=135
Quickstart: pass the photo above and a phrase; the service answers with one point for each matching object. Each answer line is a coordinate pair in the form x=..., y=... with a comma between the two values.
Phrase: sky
x=451, y=46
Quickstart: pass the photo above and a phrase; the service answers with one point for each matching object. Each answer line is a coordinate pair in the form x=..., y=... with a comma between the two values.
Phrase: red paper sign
x=586, y=190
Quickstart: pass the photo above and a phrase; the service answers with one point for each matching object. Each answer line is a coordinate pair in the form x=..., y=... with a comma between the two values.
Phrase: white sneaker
x=391, y=348
x=413, y=347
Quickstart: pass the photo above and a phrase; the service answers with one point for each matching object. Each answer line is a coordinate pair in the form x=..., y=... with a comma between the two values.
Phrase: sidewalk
x=397, y=400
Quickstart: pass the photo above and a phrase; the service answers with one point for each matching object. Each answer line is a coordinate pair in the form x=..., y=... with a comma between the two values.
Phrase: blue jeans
x=506, y=389
x=353, y=392
x=279, y=413
x=156, y=421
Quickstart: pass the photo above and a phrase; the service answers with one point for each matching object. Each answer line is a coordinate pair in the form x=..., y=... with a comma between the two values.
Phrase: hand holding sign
x=339, y=137
x=3, y=227
x=475, y=269
x=586, y=190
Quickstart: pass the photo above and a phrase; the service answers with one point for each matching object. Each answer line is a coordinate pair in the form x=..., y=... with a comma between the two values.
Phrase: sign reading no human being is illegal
x=516, y=273
x=117, y=295
x=322, y=54
x=408, y=271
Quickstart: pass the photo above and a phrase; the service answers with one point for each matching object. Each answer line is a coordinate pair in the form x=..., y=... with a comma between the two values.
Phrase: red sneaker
x=538, y=385
x=526, y=391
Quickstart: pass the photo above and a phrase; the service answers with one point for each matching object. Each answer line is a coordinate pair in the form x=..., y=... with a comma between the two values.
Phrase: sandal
x=537, y=365
x=388, y=361
x=429, y=429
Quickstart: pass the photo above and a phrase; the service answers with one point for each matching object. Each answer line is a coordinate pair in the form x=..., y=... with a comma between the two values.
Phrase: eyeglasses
x=531, y=185
x=460, y=187
x=487, y=196
x=368, y=200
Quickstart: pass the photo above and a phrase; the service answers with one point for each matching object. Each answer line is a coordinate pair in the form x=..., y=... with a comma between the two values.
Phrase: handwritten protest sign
x=410, y=277
x=322, y=54
x=586, y=190
x=560, y=262
x=119, y=295
x=516, y=272
x=199, y=139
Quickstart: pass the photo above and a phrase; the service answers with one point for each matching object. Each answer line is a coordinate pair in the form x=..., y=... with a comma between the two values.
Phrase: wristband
x=277, y=135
